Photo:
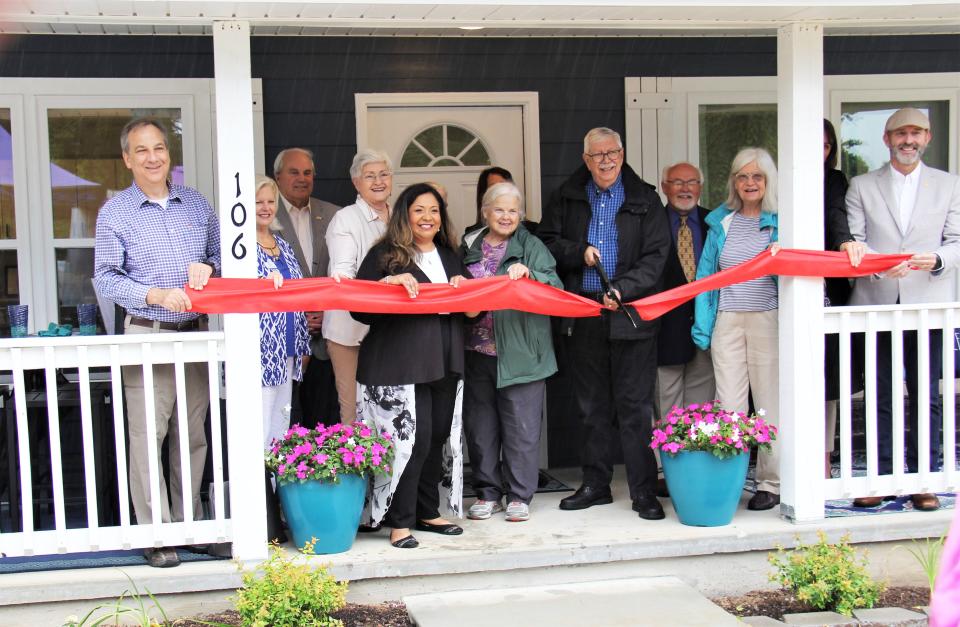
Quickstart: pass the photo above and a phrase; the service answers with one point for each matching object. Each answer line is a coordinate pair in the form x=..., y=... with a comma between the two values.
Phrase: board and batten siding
x=309, y=85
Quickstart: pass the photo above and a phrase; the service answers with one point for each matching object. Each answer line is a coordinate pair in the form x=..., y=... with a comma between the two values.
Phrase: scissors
x=612, y=294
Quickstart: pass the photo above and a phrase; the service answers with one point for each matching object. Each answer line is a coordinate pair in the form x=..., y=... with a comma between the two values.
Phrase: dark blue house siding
x=309, y=83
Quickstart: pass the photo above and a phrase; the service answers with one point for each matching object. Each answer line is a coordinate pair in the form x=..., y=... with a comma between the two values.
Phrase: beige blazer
x=321, y=213
x=874, y=218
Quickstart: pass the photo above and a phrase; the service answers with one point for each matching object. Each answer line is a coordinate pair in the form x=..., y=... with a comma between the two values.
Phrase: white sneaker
x=518, y=511
x=482, y=510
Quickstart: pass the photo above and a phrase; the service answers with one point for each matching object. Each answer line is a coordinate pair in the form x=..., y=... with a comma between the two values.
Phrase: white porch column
x=800, y=133
x=237, y=206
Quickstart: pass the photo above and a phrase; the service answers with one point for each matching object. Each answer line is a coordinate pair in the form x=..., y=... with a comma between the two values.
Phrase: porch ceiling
x=526, y=18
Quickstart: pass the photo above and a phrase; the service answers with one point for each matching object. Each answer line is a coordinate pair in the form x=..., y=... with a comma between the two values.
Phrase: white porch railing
x=85, y=353
x=896, y=319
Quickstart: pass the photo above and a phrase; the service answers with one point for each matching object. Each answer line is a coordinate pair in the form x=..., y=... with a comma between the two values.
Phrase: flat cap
x=907, y=116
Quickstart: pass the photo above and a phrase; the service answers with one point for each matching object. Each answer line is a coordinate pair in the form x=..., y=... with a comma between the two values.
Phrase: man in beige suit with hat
x=907, y=207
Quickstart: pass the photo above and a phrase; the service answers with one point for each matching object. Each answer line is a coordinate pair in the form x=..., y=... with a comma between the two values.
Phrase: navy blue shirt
x=693, y=221
x=602, y=232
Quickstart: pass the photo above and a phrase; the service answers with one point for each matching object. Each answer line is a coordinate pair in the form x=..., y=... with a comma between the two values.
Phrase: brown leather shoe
x=868, y=501
x=925, y=502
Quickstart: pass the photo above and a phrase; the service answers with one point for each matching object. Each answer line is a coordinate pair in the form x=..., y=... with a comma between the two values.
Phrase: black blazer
x=836, y=229
x=403, y=349
x=674, y=343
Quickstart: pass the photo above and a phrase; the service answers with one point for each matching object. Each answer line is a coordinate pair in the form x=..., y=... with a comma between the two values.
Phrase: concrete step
x=635, y=602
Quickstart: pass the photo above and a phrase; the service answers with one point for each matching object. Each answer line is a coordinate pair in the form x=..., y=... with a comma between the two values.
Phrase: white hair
x=498, y=191
x=365, y=156
x=666, y=170
x=766, y=165
x=596, y=134
x=278, y=162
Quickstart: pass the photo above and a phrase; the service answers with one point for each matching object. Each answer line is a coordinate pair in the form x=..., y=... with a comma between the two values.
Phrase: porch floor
x=554, y=546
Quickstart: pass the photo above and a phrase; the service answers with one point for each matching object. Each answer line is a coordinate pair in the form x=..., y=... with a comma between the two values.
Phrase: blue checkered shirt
x=602, y=232
x=140, y=245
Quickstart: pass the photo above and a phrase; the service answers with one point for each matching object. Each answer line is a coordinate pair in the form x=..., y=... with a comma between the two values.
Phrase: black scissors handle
x=612, y=294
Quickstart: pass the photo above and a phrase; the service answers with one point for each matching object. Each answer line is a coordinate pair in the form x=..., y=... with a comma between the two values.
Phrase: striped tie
x=685, y=250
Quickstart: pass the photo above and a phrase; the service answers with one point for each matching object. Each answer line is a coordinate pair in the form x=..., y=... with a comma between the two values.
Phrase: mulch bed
x=390, y=614
x=776, y=603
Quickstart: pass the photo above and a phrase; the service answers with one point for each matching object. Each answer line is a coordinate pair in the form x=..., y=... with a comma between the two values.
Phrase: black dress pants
x=315, y=400
x=885, y=379
x=614, y=388
x=417, y=495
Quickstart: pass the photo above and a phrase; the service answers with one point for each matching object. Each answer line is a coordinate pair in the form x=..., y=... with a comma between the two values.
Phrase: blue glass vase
x=329, y=512
x=705, y=489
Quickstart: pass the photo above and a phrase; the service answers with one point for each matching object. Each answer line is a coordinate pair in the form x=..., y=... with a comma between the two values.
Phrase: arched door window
x=445, y=145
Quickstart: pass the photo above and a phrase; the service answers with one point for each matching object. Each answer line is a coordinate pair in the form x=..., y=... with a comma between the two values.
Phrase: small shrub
x=129, y=607
x=827, y=576
x=284, y=593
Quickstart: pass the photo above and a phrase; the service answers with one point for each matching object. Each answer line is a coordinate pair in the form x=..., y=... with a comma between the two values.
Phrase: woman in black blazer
x=410, y=370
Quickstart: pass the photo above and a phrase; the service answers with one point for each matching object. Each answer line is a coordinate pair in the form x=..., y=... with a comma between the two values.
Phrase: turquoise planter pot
x=329, y=512
x=705, y=490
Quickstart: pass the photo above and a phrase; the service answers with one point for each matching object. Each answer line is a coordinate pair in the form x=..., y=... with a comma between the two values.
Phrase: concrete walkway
x=638, y=602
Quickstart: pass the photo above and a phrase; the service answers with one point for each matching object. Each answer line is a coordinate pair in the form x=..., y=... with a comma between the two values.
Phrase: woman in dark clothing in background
x=836, y=290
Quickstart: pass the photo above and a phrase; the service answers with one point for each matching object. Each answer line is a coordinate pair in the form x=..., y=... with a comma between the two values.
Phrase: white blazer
x=874, y=218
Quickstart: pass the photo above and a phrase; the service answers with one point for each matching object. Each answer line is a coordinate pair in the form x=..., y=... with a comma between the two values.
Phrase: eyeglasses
x=599, y=157
x=682, y=183
x=756, y=177
x=380, y=176
x=513, y=213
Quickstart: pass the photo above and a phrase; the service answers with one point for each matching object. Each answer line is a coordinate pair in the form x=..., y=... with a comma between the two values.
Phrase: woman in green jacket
x=509, y=354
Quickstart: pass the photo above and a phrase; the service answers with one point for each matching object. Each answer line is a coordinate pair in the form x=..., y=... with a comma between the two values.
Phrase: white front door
x=449, y=139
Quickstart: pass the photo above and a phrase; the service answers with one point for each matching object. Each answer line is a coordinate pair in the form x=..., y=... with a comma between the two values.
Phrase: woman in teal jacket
x=509, y=354
x=739, y=323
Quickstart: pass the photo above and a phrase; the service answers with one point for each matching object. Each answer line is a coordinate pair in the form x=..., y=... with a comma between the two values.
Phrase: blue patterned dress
x=282, y=334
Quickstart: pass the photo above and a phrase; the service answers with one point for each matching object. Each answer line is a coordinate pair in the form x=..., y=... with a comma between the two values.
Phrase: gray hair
x=265, y=181
x=497, y=191
x=596, y=134
x=766, y=164
x=136, y=123
x=366, y=156
x=666, y=170
x=278, y=162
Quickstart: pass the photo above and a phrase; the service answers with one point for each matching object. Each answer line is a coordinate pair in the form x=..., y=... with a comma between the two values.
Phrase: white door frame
x=528, y=101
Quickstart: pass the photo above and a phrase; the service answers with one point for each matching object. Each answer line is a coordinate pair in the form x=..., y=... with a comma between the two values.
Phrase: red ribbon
x=496, y=293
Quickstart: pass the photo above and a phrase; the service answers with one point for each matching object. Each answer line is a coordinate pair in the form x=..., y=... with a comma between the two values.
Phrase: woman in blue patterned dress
x=284, y=340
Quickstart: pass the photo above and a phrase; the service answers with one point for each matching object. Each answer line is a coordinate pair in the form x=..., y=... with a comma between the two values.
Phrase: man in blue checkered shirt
x=152, y=239
x=604, y=214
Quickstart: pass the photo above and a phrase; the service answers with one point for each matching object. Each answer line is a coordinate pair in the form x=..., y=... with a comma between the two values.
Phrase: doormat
x=838, y=508
x=98, y=559
x=545, y=483
x=845, y=507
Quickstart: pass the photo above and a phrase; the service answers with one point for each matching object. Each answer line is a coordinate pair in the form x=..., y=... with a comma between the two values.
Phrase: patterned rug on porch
x=99, y=559
x=844, y=507
x=545, y=483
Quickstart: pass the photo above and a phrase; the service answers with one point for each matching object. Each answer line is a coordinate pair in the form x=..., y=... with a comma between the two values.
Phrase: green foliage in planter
x=827, y=576
x=284, y=592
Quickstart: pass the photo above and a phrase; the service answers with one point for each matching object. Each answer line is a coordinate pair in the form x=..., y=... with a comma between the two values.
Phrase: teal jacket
x=705, y=306
x=524, y=342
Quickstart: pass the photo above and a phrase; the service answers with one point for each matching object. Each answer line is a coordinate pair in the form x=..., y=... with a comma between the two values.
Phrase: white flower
x=352, y=442
x=710, y=428
x=761, y=412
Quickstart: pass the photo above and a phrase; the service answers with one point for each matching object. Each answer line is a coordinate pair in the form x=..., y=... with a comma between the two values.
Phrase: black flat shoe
x=763, y=500
x=587, y=496
x=648, y=507
x=369, y=528
x=446, y=529
x=406, y=542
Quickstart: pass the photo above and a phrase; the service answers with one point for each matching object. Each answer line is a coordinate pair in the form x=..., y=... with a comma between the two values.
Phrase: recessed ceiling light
x=470, y=27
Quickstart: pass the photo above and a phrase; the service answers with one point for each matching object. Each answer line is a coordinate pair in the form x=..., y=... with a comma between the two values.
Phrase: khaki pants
x=344, y=360
x=745, y=354
x=687, y=383
x=165, y=402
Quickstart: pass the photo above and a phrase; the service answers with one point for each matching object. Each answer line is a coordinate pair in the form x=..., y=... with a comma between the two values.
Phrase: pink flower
x=282, y=469
x=365, y=432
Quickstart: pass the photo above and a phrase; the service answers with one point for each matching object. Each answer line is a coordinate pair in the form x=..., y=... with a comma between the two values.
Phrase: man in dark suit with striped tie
x=684, y=372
